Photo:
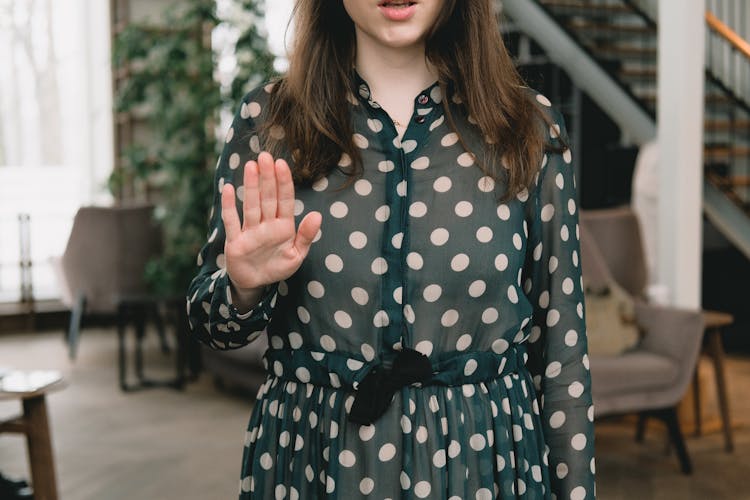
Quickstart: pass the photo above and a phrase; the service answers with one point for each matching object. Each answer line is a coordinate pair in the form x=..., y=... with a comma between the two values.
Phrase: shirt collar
x=426, y=99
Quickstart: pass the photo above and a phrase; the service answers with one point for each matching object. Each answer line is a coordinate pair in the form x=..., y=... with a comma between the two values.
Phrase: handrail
x=742, y=46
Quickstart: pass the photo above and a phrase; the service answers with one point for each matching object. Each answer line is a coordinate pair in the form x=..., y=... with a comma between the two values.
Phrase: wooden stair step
x=589, y=28
x=726, y=125
x=585, y=7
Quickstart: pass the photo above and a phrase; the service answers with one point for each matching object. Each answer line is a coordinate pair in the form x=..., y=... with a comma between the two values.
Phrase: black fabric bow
x=377, y=389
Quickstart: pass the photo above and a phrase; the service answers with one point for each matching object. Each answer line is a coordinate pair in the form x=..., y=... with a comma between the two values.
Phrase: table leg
x=40, y=449
x=717, y=354
x=697, y=400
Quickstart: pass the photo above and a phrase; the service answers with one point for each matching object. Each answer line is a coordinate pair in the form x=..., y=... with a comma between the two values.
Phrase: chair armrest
x=670, y=331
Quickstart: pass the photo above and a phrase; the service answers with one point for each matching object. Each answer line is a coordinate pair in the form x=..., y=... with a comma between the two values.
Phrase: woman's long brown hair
x=310, y=102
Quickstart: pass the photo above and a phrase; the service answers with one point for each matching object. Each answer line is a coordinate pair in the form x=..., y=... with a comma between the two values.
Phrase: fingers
x=308, y=229
x=229, y=214
x=285, y=187
x=268, y=198
x=251, y=201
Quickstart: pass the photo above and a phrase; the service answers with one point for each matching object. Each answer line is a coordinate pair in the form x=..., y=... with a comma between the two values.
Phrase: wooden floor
x=162, y=444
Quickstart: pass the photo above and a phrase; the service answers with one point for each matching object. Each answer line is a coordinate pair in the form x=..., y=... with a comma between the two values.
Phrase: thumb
x=307, y=231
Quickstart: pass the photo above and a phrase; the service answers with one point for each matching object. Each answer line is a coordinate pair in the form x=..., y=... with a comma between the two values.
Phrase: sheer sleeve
x=558, y=350
x=213, y=318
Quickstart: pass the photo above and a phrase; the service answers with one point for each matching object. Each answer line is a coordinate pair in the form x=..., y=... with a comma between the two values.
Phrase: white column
x=680, y=134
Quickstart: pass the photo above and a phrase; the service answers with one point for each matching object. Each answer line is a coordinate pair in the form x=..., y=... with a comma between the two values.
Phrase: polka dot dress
x=417, y=254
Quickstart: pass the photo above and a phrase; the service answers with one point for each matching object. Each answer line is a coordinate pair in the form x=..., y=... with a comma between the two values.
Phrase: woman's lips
x=397, y=11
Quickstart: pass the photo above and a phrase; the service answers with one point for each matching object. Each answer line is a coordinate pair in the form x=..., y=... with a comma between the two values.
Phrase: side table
x=31, y=388
x=136, y=310
x=713, y=347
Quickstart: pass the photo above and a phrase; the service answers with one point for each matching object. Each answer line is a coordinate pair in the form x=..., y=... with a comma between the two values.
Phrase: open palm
x=265, y=247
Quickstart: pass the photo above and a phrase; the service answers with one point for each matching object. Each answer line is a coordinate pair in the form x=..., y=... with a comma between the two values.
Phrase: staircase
x=618, y=40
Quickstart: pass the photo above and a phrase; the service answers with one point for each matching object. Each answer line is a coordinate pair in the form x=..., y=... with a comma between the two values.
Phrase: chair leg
x=74, y=329
x=641, y=426
x=675, y=435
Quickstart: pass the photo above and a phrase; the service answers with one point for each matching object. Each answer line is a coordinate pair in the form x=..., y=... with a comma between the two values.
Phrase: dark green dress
x=417, y=255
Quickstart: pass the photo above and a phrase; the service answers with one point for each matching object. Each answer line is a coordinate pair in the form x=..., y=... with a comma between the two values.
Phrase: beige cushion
x=610, y=326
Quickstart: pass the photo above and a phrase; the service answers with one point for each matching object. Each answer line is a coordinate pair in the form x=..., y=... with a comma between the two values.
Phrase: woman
x=412, y=253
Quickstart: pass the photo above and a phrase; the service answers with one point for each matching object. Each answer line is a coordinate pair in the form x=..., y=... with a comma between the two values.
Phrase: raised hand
x=266, y=247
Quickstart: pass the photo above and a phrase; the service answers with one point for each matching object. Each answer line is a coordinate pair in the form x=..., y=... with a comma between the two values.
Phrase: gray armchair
x=651, y=378
x=105, y=258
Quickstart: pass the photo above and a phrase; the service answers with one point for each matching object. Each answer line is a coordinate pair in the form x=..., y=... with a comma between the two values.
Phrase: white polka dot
x=347, y=458
x=548, y=211
x=449, y=139
x=379, y=266
x=553, y=316
x=460, y=262
x=401, y=188
x=477, y=288
x=557, y=419
x=321, y=184
x=420, y=163
x=424, y=346
x=483, y=494
x=571, y=338
x=375, y=125
x=517, y=242
x=432, y=293
x=366, y=432
x=560, y=181
x=463, y=342
x=409, y=313
x=360, y=295
x=417, y=209
x=464, y=208
x=358, y=240
x=366, y=486
x=503, y=212
x=386, y=166
x=575, y=389
x=543, y=100
x=442, y=184
x=562, y=470
x=486, y=184
x=303, y=374
x=489, y=315
x=439, y=236
x=567, y=286
x=578, y=493
x=567, y=156
x=554, y=130
x=363, y=187
x=422, y=489
x=295, y=340
x=315, y=288
x=361, y=141
x=343, y=319
x=303, y=314
x=501, y=262
x=466, y=159
x=381, y=319
x=438, y=459
x=449, y=318
x=421, y=434
x=477, y=442
x=234, y=161
x=512, y=294
x=382, y=213
x=397, y=294
x=339, y=209
x=484, y=234
x=367, y=352
x=564, y=233
x=387, y=452
x=330, y=485
x=578, y=441
x=470, y=367
x=334, y=263
x=553, y=369
x=454, y=449
x=414, y=261
x=327, y=343
x=266, y=461
x=499, y=346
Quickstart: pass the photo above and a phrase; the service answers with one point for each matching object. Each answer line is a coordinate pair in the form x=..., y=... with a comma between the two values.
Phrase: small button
x=419, y=119
x=423, y=99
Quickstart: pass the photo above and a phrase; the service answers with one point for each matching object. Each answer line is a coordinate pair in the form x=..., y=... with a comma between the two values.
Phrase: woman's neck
x=395, y=75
